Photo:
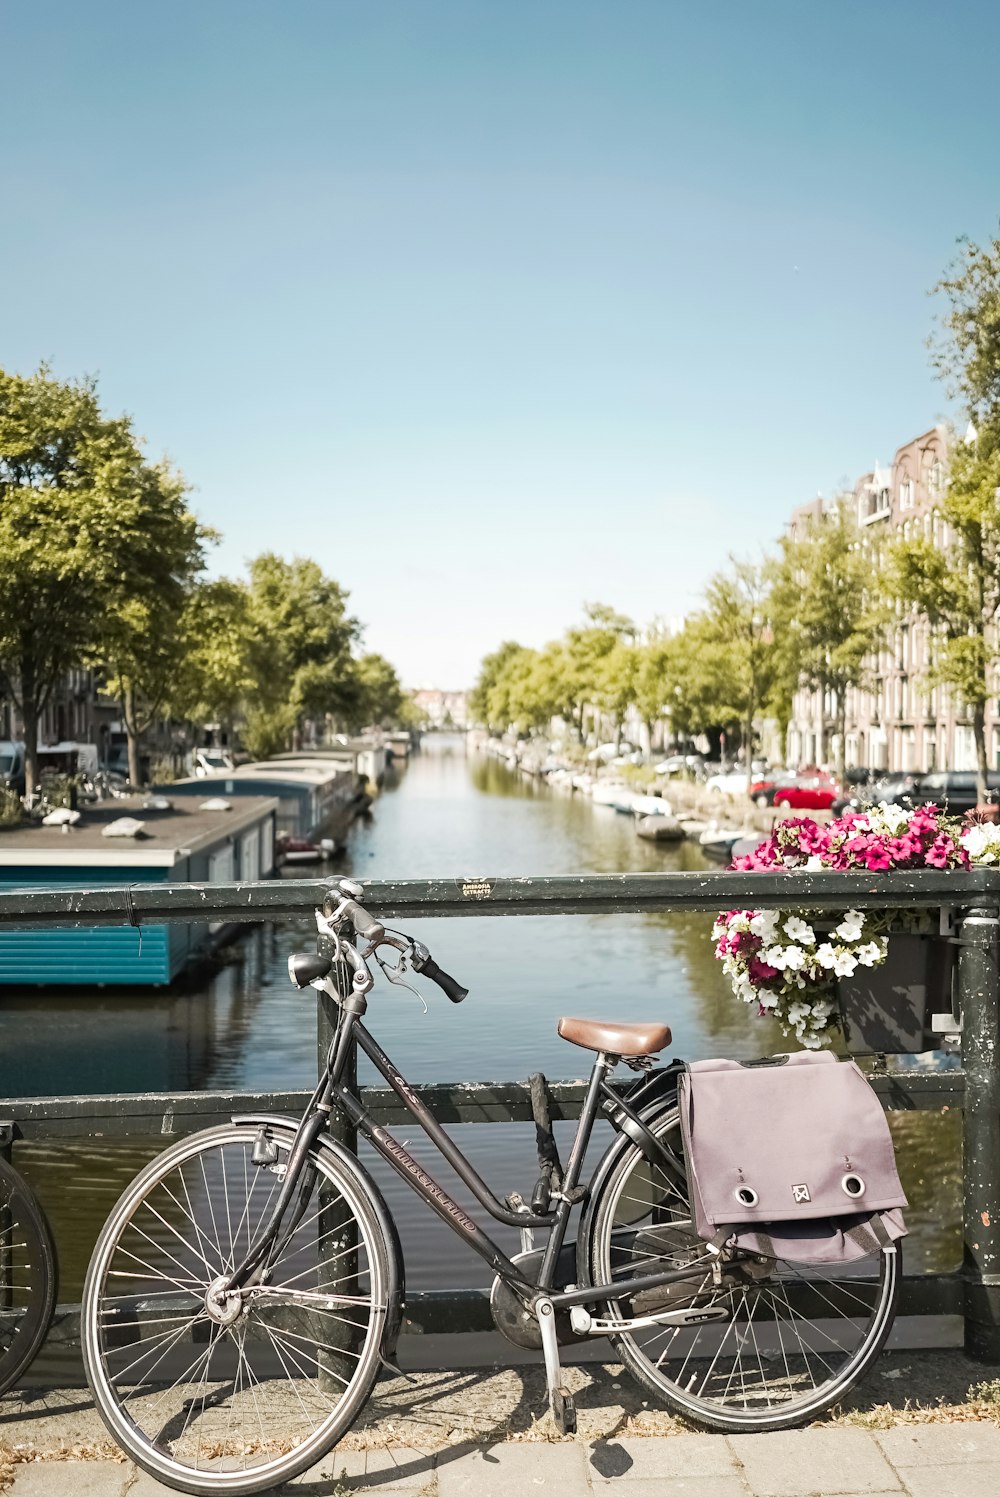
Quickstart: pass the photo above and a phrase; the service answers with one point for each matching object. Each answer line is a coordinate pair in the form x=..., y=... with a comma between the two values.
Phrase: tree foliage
x=82, y=520
x=827, y=612
x=958, y=589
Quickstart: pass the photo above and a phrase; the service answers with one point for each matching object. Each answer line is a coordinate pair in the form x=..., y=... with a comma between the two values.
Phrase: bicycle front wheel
x=215, y=1392
x=27, y=1276
x=790, y=1339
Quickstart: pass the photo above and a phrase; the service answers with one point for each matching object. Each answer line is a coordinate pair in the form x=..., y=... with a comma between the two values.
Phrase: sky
x=494, y=309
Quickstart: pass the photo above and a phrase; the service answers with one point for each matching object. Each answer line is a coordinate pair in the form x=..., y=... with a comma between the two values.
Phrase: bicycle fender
x=278, y=1123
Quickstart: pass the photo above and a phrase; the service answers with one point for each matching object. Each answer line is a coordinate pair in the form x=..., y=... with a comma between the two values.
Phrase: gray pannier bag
x=790, y=1157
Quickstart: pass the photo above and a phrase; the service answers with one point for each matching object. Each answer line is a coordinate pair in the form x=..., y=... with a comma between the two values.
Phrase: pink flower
x=761, y=971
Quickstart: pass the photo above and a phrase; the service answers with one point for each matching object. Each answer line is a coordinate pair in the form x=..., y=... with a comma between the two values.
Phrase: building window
x=906, y=494
x=935, y=478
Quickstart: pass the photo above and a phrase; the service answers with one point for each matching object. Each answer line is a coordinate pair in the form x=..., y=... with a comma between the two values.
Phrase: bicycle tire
x=742, y=1374
x=28, y=1276
x=229, y=1421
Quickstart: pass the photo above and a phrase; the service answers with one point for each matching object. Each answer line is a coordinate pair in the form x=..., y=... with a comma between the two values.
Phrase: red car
x=805, y=793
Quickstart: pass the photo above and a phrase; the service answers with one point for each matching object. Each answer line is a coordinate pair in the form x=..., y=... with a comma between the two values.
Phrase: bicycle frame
x=352, y=1032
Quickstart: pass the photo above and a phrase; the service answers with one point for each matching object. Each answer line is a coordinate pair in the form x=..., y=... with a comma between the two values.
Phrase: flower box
x=887, y=1009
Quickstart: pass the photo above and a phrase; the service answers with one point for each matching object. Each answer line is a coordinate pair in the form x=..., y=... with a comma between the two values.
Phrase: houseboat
x=208, y=841
x=317, y=799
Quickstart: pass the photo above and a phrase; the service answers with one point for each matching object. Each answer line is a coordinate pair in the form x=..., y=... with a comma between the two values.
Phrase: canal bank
x=523, y=973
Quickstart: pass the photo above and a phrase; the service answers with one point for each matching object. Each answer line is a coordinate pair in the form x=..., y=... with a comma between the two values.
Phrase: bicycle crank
x=585, y=1324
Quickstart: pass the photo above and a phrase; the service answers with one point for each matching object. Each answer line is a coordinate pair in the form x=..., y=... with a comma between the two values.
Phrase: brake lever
x=393, y=974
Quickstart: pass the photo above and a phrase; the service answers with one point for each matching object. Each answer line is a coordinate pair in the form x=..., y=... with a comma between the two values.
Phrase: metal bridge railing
x=973, y=897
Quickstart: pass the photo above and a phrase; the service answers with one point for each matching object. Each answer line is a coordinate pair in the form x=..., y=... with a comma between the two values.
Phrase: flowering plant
x=779, y=960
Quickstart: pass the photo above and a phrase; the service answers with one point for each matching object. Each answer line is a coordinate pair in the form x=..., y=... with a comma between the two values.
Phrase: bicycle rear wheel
x=235, y=1393
x=27, y=1276
x=794, y=1337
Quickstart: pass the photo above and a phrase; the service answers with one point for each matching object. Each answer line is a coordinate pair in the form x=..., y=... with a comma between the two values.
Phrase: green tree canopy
x=81, y=515
x=827, y=612
x=302, y=640
x=958, y=588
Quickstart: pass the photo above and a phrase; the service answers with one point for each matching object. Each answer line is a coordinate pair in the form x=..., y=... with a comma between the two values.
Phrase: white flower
x=851, y=926
x=982, y=842
x=797, y=1012
x=845, y=964
x=775, y=957
x=813, y=864
x=891, y=818
x=765, y=924
x=826, y=955
x=870, y=954
x=767, y=999
x=800, y=931
x=811, y=1041
x=795, y=958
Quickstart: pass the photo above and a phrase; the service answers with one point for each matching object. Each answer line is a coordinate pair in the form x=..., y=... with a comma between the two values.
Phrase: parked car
x=904, y=788
x=803, y=793
x=680, y=764
x=729, y=782
x=954, y=790
x=12, y=766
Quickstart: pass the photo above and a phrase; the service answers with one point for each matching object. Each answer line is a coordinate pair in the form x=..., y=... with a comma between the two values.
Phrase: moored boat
x=659, y=828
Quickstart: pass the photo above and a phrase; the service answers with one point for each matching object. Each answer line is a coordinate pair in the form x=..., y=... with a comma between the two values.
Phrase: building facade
x=899, y=722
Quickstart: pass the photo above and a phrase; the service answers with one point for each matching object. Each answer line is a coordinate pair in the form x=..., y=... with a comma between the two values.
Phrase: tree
x=737, y=623
x=381, y=695
x=965, y=350
x=653, y=682
x=302, y=637
x=491, y=671
x=141, y=639
x=959, y=588
x=826, y=613
x=214, y=676
x=584, y=665
x=75, y=502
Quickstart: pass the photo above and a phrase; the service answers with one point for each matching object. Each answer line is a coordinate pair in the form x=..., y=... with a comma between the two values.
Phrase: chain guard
x=512, y=1317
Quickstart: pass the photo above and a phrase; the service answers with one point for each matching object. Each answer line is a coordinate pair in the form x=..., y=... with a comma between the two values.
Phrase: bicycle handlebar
x=368, y=926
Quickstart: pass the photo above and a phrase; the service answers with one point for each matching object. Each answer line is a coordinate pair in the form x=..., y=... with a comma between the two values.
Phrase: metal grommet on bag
x=747, y=1196
x=852, y=1185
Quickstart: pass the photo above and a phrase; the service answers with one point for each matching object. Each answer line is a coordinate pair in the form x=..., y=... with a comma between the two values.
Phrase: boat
x=659, y=828
x=293, y=849
x=717, y=842
x=650, y=805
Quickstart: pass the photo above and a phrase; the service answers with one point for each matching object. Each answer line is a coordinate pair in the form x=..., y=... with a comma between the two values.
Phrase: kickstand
x=560, y=1398
x=391, y=1366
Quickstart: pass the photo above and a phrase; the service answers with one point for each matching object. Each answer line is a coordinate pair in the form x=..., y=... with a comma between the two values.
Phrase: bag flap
x=799, y=1139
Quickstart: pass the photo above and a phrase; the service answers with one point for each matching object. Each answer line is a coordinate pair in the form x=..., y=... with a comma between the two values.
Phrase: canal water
x=449, y=814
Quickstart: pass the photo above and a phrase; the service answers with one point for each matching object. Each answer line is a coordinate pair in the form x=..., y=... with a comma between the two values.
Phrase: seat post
x=602, y=1065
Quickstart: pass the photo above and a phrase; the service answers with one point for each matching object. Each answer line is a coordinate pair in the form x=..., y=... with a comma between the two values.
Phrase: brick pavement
x=932, y=1460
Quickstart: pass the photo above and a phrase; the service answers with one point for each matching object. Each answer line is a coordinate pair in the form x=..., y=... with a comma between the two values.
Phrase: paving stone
x=515, y=1471
x=940, y=1444
x=658, y=1458
x=975, y=1479
x=403, y=1468
x=680, y=1486
x=72, y=1479
x=799, y=1462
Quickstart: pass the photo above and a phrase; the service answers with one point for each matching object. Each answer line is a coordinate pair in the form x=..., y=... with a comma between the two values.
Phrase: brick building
x=899, y=723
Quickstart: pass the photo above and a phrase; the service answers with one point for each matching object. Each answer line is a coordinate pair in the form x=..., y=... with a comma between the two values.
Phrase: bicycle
x=28, y=1276
x=248, y=1286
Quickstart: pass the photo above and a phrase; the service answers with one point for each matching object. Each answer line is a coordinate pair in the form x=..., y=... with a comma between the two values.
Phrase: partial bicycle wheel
x=790, y=1340
x=27, y=1276
x=213, y=1392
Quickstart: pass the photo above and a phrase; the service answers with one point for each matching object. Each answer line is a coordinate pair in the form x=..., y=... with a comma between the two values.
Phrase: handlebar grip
x=448, y=985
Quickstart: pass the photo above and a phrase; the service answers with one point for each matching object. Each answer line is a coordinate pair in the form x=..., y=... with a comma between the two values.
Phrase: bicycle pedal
x=563, y=1411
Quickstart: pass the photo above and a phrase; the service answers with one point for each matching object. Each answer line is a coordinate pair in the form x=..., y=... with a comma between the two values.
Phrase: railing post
x=979, y=995
x=335, y=1356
